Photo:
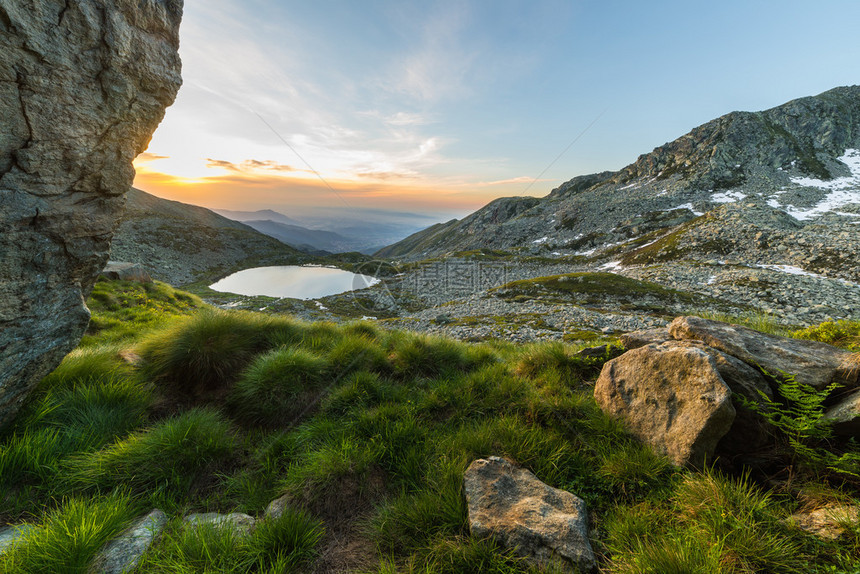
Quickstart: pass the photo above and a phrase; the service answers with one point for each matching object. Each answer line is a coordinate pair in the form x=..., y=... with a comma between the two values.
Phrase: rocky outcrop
x=543, y=524
x=671, y=397
x=123, y=553
x=677, y=394
x=82, y=87
x=812, y=363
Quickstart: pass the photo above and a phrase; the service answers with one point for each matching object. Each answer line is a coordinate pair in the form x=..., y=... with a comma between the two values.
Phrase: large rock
x=749, y=431
x=541, y=523
x=636, y=339
x=671, y=397
x=122, y=554
x=828, y=521
x=815, y=364
x=83, y=84
x=124, y=271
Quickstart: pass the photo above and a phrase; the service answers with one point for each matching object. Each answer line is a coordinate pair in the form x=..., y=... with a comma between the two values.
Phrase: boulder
x=122, y=271
x=82, y=87
x=543, y=524
x=277, y=507
x=749, y=431
x=124, y=552
x=636, y=339
x=12, y=535
x=815, y=364
x=238, y=521
x=671, y=397
x=845, y=416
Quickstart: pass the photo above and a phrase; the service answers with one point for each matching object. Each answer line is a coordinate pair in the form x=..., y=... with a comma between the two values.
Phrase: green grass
x=275, y=545
x=368, y=433
x=69, y=537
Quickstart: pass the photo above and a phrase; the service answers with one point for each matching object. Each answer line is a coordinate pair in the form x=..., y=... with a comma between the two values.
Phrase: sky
x=438, y=107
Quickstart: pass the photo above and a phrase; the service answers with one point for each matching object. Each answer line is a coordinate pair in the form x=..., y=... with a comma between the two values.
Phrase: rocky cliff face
x=83, y=84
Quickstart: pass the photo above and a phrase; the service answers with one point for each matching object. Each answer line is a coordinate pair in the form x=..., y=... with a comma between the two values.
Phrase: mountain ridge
x=783, y=158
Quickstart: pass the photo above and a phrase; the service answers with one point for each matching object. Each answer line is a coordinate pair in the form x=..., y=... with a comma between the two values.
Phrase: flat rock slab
x=241, y=523
x=671, y=397
x=543, y=524
x=122, y=554
x=813, y=363
x=12, y=535
x=828, y=521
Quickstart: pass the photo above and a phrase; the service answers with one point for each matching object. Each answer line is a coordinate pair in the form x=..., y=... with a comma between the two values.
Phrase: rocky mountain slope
x=754, y=212
x=180, y=243
x=792, y=168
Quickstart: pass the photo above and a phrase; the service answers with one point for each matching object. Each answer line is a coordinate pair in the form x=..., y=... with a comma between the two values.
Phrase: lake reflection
x=293, y=281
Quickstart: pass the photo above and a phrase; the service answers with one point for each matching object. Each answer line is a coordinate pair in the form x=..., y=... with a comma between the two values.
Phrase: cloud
x=147, y=156
x=249, y=166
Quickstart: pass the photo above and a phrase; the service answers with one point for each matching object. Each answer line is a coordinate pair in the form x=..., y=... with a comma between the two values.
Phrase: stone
x=238, y=521
x=749, y=430
x=671, y=397
x=277, y=507
x=636, y=339
x=813, y=363
x=540, y=523
x=827, y=521
x=845, y=416
x=123, y=271
x=122, y=554
x=600, y=352
x=12, y=535
x=82, y=87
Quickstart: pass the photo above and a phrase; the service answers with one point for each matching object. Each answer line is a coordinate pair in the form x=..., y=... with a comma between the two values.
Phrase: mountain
x=778, y=187
x=333, y=230
x=303, y=239
x=180, y=243
x=259, y=215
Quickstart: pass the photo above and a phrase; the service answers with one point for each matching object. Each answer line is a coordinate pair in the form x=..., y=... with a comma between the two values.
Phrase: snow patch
x=541, y=240
x=794, y=270
x=612, y=266
x=320, y=306
x=843, y=190
x=730, y=196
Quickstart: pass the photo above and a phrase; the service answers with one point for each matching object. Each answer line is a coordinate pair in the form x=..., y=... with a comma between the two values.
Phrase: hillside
x=180, y=243
x=800, y=158
x=753, y=212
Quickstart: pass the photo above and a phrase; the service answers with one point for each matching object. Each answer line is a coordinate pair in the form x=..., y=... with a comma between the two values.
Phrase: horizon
x=436, y=109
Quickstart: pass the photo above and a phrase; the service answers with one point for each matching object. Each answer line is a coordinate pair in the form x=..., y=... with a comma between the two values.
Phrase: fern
x=800, y=418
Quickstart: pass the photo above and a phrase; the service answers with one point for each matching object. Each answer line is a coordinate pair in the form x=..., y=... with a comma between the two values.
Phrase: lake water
x=293, y=281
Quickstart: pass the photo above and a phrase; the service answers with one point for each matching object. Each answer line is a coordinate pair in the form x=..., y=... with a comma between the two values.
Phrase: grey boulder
x=543, y=524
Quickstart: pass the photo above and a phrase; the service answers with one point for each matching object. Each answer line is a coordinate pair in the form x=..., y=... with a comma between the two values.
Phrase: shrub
x=200, y=355
x=279, y=387
x=166, y=458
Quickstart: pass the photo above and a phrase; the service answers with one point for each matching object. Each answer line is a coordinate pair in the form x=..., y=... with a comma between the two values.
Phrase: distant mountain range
x=779, y=187
x=180, y=243
x=364, y=231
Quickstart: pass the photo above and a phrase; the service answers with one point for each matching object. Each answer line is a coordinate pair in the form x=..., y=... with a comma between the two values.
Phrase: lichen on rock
x=83, y=84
